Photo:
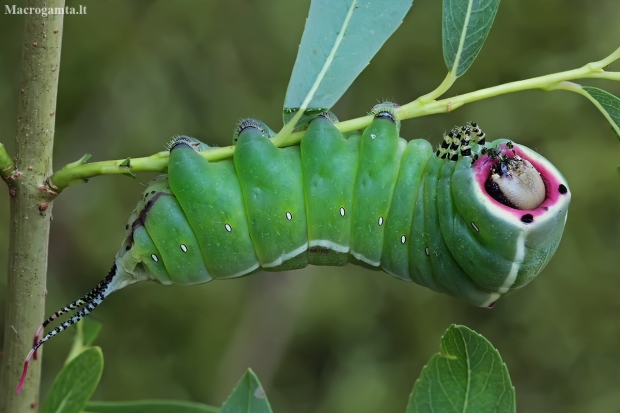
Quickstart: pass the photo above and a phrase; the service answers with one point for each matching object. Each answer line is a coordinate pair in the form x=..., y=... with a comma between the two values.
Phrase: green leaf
x=90, y=330
x=466, y=25
x=85, y=333
x=608, y=104
x=75, y=383
x=466, y=376
x=247, y=397
x=339, y=40
x=149, y=406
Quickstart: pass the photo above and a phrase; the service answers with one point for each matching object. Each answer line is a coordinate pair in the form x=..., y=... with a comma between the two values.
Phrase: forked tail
x=84, y=305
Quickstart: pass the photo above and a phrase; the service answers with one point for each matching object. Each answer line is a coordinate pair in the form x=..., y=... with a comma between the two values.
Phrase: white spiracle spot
x=342, y=211
x=403, y=239
x=380, y=221
x=289, y=216
x=183, y=247
x=228, y=227
x=372, y=136
x=427, y=252
x=475, y=227
x=154, y=258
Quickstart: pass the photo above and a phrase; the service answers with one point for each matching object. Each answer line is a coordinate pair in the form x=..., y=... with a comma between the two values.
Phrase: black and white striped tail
x=84, y=305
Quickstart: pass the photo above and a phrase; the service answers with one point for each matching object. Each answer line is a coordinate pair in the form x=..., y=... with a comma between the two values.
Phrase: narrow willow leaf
x=466, y=376
x=247, y=397
x=75, y=383
x=608, y=104
x=466, y=24
x=149, y=406
x=339, y=40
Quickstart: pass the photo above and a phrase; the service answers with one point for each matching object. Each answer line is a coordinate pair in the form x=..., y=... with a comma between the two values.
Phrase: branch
x=29, y=230
x=79, y=172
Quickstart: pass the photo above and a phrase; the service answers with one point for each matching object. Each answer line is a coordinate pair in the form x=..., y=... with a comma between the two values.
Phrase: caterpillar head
x=515, y=182
x=512, y=204
x=522, y=181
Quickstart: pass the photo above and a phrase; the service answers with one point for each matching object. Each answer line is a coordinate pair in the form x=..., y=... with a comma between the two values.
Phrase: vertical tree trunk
x=30, y=223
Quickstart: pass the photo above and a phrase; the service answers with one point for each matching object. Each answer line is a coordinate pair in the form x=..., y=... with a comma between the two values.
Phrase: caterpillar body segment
x=400, y=258
x=330, y=163
x=210, y=196
x=272, y=187
x=446, y=272
x=381, y=150
x=474, y=220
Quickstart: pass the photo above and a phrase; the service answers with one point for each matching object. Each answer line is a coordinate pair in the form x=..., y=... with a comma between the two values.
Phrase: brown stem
x=30, y=219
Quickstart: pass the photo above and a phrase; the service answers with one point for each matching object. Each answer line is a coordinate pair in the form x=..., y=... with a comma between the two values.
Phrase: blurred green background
x=134, y=73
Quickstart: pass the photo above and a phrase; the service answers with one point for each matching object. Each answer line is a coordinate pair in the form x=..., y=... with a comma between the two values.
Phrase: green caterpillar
x=472, y=220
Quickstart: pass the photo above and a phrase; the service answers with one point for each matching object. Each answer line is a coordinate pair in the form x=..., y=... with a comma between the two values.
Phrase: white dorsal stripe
x=361, y=257
x=243, y=272
x=516, y=264
x=286, y=256
x=328, y=244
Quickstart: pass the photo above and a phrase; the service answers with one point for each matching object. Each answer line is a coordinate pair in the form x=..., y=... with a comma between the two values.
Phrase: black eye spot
x=127, y=226
x=562, y=189
x=527, y=218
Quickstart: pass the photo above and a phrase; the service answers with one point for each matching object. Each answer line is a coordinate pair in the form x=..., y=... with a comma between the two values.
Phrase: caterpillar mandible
x=472, y=219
